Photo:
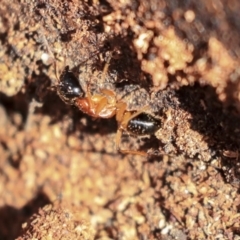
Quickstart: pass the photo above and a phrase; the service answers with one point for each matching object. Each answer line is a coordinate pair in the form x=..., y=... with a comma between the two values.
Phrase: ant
x=106, y=105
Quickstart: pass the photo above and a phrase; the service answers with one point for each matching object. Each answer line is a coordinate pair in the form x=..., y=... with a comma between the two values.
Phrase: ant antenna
x=52, y=56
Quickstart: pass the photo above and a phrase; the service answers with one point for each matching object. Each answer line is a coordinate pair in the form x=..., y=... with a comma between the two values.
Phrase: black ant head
x=69, y=88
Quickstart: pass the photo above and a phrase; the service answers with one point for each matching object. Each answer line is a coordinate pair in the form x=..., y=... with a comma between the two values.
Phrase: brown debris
x=57, y=222
x=60, y=174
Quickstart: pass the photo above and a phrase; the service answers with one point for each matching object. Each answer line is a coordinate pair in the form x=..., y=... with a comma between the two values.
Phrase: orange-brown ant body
x=106, y=105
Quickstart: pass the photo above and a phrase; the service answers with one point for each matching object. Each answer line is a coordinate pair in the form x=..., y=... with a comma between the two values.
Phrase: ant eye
x=69, y=88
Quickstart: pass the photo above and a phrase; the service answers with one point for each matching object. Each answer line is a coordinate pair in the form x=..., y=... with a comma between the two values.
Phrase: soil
x=61, y=176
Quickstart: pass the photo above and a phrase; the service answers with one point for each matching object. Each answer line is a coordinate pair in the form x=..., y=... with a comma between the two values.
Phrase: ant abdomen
x=69, y=88
x=143, y=124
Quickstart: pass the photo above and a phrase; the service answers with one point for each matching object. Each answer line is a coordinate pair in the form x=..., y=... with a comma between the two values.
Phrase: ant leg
x=118, y=143
x=127, y=116
x=120, y=112
x=104, y=105
x=89, y=98
x=101, y=101
x=143, y=109
x=105, y=69
x=123, y=117
x=109, y=93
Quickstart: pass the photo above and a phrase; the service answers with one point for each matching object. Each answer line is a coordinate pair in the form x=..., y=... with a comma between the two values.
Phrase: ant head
x=69, y=87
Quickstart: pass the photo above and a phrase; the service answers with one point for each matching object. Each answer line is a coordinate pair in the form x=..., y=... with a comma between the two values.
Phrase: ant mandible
x=106, y=105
